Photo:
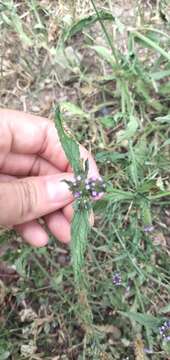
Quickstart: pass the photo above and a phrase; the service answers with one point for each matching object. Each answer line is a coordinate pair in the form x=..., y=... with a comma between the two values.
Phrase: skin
x=32, y=167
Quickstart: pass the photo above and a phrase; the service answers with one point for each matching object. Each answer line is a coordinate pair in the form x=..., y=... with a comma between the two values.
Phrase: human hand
x=32, y=167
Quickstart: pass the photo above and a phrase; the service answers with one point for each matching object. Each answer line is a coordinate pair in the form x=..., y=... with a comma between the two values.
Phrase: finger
x=59, y=226
x=5, y=178
x=26, y=165
x=29, y=134
x=68, y=212
x=30, y=198
x=33, y=233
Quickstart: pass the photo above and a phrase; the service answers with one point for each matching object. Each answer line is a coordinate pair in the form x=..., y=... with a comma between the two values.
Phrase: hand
x=32, y=165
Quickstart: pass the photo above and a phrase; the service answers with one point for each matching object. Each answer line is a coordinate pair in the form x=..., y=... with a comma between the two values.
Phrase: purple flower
x=164, y=330
x=116, y=279
x=93, y=178
x=148, y=351
x=94, y=193
x=148, y=228
x=77, y=194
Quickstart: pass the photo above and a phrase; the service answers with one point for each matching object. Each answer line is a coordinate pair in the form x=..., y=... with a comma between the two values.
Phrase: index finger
x=23, y=133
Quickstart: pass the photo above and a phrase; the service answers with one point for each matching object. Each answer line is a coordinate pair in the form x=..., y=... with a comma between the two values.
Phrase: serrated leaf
x=70, y=146
x=149, y=42
x=73, y=109
x=113, y=157
x=160, y=74
x=146, y=212
x=143, y=319
x=22, y=261
x=164, y=119
x=79, y=234
x=130, y=131
x=119, y=195
x=165, y=309
x=85, y=23
x=104, y=53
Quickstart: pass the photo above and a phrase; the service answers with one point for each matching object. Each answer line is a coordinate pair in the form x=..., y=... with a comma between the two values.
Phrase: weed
x=110, y=73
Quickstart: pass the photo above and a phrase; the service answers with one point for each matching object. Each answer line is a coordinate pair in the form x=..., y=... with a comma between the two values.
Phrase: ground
x=112, y=80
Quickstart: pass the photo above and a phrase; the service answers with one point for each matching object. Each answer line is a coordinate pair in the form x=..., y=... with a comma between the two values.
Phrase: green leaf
x=79, y=234
x=119, y=195
x=165, y=309
x=5, y=355
x=130, y=131
x=146, y=212
x=56, y=280
x=160, y=74
x=164, y=119
x=149, y=321
x=85, y=23
x=153, y=44
x=147, y=186
x=108, y=122
x=133, y=168
x=70, y=146
x=73, y=109
x=111, y=156
x=13, y=20
x=142, y=89
x=22, y=261
x=159, y=195
x=104, y=53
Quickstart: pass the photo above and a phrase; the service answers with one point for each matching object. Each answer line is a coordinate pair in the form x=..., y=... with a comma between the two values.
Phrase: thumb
x=26, y=199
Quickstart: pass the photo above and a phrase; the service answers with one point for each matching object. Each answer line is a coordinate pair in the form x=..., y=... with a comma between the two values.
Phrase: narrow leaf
x=85, y=23
x=79, y=234
x=153, y=44
x=150, y=321
x=70, y=146
x=73, y=109
x=119, y=195
x=104, y=53
x=130, y=131
x=165, y=309
x=164, y=119
x=111, y=156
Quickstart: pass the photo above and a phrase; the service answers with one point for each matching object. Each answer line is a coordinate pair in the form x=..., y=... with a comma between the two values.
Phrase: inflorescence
x=83, y=188
x=148, y=228
x=164, y=330
x=116, y=279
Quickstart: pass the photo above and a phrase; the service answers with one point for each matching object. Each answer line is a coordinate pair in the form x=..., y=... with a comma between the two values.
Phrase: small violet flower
x=116, y=279
x=148, y=228
x=94, y=193
x=77, y=194
x=164, y=330
x=83, y=188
